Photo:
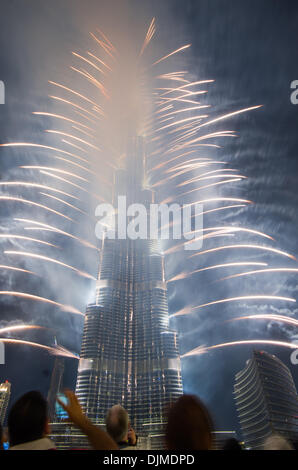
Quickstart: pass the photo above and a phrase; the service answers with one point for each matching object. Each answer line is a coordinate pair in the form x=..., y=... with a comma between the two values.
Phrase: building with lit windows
x=128, y=353
x=5, y=391
x=266, y=400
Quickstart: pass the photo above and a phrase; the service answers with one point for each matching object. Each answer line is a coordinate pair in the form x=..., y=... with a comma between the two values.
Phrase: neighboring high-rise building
x=55, y=386
x=221, y=437
x=266, y=400
x=129, y=355
x=5, y=391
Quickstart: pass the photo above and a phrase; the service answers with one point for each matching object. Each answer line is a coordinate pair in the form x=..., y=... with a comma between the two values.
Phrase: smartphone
x=60, y=412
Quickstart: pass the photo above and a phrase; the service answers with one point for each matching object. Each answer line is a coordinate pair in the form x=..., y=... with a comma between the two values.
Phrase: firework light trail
x=160, y=99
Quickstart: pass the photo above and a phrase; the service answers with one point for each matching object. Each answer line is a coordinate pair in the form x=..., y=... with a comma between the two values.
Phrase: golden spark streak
x=236, y=299
x=74, y=137
x=63, y=118
x=25, y=201
x=74, y=145
x=77, y=165
x=204, y=175
x=100, y=61
x=192, y=118
x=257, y=247
x=172, y=53
x=51, y=260
x=72, y=184
x=65, y=308
x=88, y=62
x=149, y=35
x=35, y=185
x=205, y=187
x=64, y=172
x=61, y=232
x=21, y=237
x=171, y=90
x=57, y=98
x=8, y=329
x=83, y=131
x=184, y=110
x=270, y=270
x=73, y=92
x=227, y=265
x=2, y=266
x=66, y=203
x=204, y=349
x=273, y=317
x=230, y=115
x=92, y=80
x=55, y=351
x=25, y=144
x=103, y=45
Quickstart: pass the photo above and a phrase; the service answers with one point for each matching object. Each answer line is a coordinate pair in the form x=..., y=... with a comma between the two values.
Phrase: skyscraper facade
x=5, y=391
x=128, y=354
x=266, y=400
x=55, y=386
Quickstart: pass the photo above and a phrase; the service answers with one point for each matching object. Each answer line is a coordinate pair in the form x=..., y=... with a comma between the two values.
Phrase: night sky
x=249, y=49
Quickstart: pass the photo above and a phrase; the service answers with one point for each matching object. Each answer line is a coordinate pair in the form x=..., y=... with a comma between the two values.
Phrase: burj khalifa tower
x=129, y=355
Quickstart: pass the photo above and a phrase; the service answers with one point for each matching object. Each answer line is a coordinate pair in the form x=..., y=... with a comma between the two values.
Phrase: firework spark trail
x=58, y=351
x=92, y=80
x=149, y=36
x=203, y=349
x=36, y=185
x=51, y=260
x=13, y=268
x=262, y=271
x=63, y=118
x=236, y=299
x=66, y=203
x=74, y=105
x=271, y=317
x=21, y=237
x=201, y=188
x=184, y=275
x=100, y=61
x=73, y=92
x=37, y=167
x=187, y=169
x=257, y=247
x=10, y=329
x=46, y=147
x=217, y=230
x=74, y=137
x=88, y=62
x=96, y=196
x=43, y=226
x=25, y=201
x=25, y=295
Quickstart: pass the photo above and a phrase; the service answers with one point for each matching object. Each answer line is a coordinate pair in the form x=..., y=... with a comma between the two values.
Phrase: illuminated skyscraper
x=128, y=354
x=266, y=400
x=55, y=386
x=5, y=391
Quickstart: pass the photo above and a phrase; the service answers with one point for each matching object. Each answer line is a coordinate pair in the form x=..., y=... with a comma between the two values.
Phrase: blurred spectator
x=232, y=444
x=98, y=438
x=277, y=442
x=28, y=423
x=118, y=427
x=189, y=425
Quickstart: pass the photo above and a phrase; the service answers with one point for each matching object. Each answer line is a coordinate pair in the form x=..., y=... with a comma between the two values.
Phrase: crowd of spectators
x=189, y=426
